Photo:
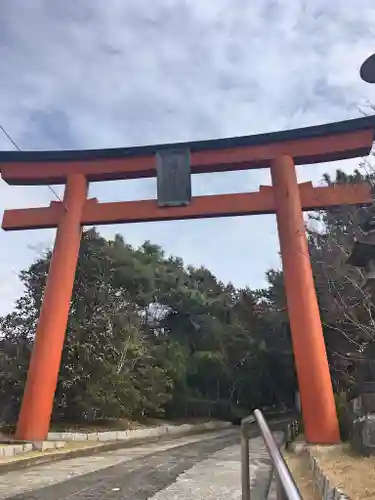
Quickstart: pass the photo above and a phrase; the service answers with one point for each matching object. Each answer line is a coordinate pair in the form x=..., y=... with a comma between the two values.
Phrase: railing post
x=245, y=464
x=285, y=484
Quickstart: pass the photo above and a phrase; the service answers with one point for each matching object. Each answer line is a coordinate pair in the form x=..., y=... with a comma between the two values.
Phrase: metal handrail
x=287, y=488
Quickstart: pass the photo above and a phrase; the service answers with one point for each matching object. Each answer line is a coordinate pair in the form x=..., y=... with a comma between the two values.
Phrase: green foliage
x=148, y=336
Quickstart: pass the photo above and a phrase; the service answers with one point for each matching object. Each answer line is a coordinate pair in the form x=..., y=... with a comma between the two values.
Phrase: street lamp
x=367, y=71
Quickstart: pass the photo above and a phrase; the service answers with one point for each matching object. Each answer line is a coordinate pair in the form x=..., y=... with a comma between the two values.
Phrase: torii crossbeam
x=278, y=151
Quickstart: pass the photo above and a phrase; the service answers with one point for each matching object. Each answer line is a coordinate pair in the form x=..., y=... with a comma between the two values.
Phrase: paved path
x=202, y=467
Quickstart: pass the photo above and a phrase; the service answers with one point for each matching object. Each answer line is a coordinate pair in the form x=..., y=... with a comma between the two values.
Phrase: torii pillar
x=314, y=380
x=42, y=376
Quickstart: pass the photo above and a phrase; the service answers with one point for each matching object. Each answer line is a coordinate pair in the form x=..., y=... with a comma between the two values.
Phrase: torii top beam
x=333, y=141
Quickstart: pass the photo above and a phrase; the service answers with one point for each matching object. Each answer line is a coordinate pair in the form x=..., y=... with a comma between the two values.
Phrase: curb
x=24, y=463
x=162, y=430
x=321, y=482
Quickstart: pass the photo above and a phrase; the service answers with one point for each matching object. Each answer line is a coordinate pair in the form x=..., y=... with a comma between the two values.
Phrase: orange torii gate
x=279, y=151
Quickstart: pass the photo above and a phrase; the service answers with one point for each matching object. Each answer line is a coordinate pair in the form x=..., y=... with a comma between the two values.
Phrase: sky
x=80, y=74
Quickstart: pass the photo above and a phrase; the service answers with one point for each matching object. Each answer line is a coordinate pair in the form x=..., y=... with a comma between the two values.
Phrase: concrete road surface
x=201, y=467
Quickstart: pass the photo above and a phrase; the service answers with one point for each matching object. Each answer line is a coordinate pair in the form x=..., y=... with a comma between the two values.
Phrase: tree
x=347, y=310
x=147, y=335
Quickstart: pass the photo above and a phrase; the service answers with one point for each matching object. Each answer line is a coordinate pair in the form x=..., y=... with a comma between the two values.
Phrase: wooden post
x=317, y=398
x=34, y=419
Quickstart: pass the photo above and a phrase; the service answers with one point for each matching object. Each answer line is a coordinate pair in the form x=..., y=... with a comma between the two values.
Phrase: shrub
x=342, y=415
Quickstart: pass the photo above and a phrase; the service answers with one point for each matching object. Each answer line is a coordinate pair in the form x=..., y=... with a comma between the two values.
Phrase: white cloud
x=78, y=74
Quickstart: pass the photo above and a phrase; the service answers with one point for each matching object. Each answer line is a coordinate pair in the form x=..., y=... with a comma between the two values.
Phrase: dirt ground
x=298, y=466
x=353, y=474
x=119, y=424
x=101, y=426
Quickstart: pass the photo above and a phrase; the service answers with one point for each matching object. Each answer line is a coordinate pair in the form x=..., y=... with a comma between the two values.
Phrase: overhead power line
x=10, y=139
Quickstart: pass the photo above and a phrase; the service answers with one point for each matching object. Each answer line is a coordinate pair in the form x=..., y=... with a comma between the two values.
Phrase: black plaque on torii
x=173, y=177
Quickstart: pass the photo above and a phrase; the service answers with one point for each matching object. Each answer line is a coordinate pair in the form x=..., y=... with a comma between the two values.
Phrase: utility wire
x=19, y=149
x=9, y=138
